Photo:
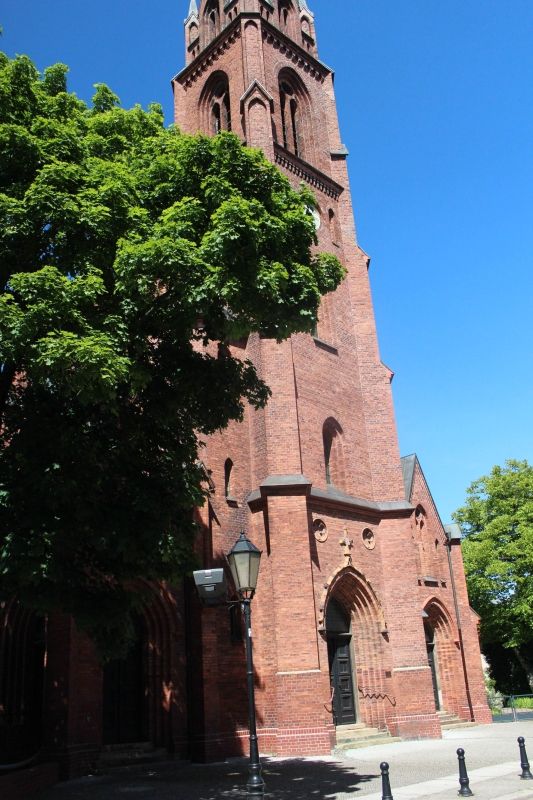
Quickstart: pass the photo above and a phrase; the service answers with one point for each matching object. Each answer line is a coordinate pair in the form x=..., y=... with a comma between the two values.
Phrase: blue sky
x=436, y=108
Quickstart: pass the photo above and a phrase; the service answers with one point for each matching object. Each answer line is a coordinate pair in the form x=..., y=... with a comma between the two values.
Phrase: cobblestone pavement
x=418, y=770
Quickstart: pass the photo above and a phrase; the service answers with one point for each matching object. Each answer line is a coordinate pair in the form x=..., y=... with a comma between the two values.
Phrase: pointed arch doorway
x=22, y=680
x=339, y=640
x=124, y=715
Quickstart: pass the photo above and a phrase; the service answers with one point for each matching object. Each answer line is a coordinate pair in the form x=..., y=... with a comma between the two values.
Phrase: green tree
x=131, y=255
x=497, y=521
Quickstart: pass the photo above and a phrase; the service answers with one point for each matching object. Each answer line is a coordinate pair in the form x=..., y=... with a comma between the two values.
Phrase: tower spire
x=193, y=9
x=304, y=7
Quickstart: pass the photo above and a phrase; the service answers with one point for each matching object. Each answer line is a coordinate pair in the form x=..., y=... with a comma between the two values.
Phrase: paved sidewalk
x=420, y=770
x=492, y=759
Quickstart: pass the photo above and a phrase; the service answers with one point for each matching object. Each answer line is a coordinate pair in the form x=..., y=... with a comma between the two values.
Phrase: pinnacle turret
x=193, y=9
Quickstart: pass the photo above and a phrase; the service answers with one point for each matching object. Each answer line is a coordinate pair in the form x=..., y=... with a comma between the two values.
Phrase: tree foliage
x=130, y=256
x=497, y=521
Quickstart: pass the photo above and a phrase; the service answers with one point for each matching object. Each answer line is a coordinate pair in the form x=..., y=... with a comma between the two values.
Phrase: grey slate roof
x=408, y=470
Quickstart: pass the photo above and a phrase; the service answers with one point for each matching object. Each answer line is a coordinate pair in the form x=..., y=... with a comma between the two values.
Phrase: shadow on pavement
x=295, y=779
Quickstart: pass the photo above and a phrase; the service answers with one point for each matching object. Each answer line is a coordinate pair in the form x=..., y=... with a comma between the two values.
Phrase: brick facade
x=315, y=479
x=323, y=457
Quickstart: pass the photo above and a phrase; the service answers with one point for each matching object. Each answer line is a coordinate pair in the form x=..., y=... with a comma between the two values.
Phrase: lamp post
x=243, y=560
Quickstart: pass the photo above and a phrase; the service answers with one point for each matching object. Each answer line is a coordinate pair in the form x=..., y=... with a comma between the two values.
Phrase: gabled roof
x=256, y=87
x=409, y=465
x=453, y=532
x=408, y=469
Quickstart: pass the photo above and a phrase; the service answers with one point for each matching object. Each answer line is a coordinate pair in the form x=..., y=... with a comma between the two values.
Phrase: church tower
x=361, y=616
x=361, y=613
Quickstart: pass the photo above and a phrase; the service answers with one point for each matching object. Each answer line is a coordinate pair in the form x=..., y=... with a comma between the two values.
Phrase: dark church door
x=22, y=672
x=340, y=669
x=124, y=712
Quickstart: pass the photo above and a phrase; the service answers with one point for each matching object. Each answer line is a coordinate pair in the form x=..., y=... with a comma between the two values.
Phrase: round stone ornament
x=320, y=530
x=369, y=539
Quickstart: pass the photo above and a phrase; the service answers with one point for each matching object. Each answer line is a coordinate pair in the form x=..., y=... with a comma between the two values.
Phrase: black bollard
x=524, y=763
x=386, y=793
x=465, y=790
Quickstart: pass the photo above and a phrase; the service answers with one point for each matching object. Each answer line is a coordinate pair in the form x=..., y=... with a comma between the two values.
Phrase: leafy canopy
x=497, y=520
x=130, y=257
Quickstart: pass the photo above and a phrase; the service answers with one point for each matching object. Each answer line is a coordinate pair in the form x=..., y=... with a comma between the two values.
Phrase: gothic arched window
x=420, y=516
x=215, y=101
x=212, y=19
x=220, y=109
x=228, y=467
x=425, y=541
x=295, y=130
x=285, y=10
x=290, y=118
x=193, y=33
x=333, y=452
x=333, y=226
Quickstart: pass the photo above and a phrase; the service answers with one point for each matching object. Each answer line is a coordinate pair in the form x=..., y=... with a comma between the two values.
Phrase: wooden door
x=340, y=667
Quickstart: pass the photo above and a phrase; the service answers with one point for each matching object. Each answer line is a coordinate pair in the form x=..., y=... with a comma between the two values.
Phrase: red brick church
x=361, y=614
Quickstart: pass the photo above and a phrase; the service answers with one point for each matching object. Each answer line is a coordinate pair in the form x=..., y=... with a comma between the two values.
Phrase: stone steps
x=123, y=755
x=352, y=737
x=449, y=721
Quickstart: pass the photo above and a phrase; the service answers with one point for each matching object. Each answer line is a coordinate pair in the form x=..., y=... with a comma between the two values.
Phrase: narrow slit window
x=333, y=453
x=216, y=117
x=228, y=469
x=294, y=124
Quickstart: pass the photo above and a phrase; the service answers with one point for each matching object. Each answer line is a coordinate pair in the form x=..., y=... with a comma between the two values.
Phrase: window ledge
x=325, y=346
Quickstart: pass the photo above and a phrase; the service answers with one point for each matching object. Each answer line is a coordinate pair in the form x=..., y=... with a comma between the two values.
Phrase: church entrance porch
x=358, y=653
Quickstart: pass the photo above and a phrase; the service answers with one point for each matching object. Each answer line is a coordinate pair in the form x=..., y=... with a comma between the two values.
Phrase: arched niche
x=149, y=684
x=444, y=656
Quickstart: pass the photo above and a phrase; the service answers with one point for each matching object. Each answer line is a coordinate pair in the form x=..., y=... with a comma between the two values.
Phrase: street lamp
x=243, y=560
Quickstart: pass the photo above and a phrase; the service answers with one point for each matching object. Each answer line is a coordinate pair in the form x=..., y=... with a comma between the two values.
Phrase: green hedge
x=521, y=702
